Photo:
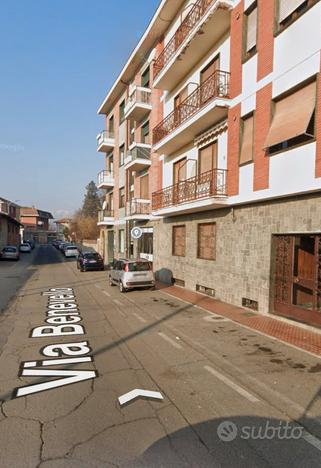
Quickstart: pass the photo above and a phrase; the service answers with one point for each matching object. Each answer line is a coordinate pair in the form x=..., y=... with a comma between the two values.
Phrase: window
x=121, y=155
x=131, y=131
x=121, y=238
x=206, y=241
x=207, y=158
x=145, y=78
x=111, y=126
x=246, y=154
x=293, y=120
x=144, y=189
x=122, y=111
x=250, y=32
x=178, y=242
x=179, y=170
x=122, y=197
x=145, y=137
x=290, y=10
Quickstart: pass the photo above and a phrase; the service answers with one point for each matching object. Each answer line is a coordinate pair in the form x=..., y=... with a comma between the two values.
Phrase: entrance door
x=178, y=109
x=110, y=246
x=297, y=277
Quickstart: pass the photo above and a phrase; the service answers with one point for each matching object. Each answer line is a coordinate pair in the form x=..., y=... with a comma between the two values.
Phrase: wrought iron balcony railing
x=105, y=177
x=137, y=206
x=103, y=214
x=206, y=185
x=192, y=19
x=104, y=137
x=216, y=86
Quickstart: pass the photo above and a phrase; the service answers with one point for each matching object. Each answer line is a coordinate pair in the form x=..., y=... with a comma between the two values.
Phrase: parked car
x=25, y=247
x=10, y=252
x=90, y=261
x=129, y=274
x=62, y=245
x=32, y=243
x=71, y=251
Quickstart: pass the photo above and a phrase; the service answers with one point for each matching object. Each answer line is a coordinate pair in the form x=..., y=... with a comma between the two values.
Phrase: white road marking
x=138, y=392
x=96, y=286
x=312, y=440
x=139, y=317
x=169, y=340
x=106, y=293
x=118, y=302
x=232, y=385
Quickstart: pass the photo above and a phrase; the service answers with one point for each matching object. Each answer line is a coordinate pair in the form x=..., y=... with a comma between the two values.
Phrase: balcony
x=202, y=192
x=205, y=24
x=105, y=180
x=139, y=103
x=138, y=157
x=208, y=104
x=105, y=141
x=106, y=218
x=137, y=208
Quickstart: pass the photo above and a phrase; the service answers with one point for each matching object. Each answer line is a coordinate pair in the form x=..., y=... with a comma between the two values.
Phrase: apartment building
x=234, y=164
x=36, y=224
x=10, y=226
x=240, y=145
x=132, y=170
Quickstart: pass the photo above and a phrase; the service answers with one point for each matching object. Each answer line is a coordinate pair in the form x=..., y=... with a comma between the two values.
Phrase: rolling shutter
x=292, y=115
x=179, y=241
x=144, y=191
x=251, y=30
x=207, y=158
x=247, y=141
x=206, y=241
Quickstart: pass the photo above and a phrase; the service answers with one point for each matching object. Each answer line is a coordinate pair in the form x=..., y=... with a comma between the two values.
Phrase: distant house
x=61, y=225
x=36, y=224
x=10, y=226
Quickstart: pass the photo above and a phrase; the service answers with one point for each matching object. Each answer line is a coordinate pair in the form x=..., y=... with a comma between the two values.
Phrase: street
x=231, y=397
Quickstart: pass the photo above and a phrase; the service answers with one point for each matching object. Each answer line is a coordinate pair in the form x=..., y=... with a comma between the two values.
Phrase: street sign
x=139, y=393
x=136, y=233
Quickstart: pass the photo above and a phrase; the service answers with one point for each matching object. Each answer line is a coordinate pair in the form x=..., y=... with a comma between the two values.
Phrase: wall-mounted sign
x=136, y=233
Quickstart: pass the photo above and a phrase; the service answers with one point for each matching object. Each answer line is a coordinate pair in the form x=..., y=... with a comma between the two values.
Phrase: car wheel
x=122, y=289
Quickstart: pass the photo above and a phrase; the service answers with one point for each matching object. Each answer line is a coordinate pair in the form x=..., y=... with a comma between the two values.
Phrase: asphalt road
x=231, y=397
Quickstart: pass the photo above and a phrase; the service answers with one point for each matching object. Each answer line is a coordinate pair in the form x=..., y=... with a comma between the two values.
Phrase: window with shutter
x=293, y=120
x=206, y=241
x=207, y=158
x=145, y=78
x=178, y=241
x=246, y=154
x=145, y=135
x=144, y=189
x=250, y=32
x=122, y=111
x=290, y=10
x=287, y=7
x=122, y=197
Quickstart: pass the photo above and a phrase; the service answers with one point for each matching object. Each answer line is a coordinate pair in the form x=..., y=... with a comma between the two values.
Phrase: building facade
x=10, y=226
x=236, y=209
x=36, y=225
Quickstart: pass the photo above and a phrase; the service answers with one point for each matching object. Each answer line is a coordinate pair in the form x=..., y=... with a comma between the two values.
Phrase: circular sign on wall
x=136, y=233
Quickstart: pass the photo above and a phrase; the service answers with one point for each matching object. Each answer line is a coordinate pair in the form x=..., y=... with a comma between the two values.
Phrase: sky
x=58, y=60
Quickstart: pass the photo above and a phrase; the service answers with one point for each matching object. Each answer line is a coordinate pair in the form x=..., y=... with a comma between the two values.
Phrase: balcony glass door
x=207, y=91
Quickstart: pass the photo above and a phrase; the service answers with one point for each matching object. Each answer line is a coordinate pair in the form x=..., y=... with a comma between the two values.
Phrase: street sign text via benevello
x=63, y=319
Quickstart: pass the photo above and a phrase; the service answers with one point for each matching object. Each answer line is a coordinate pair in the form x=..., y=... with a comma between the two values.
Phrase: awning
x=292, y=115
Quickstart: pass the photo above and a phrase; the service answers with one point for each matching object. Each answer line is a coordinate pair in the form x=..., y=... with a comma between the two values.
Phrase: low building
x=63, y=225
x=10, y=226
x=36, y=224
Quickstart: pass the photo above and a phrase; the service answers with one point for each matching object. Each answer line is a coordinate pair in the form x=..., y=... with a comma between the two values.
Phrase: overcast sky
x=58, y=60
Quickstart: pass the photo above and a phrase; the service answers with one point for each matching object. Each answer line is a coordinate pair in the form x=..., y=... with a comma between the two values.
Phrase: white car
x=25, y=247
x=71, y=251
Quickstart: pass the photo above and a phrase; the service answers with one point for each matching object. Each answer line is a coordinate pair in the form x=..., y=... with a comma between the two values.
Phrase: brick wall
x=236, y=49
x=233, y=148
x=265, y=38
x=318, y=129
x=262, y=125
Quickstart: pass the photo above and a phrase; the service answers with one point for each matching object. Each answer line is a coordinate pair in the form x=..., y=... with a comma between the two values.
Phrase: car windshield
x=139, y=266
x=9, y=249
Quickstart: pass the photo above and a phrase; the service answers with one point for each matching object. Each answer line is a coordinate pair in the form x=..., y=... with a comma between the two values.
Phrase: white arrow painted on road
x=139, y=393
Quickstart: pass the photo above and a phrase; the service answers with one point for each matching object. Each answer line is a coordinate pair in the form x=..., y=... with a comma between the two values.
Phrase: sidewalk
x=292, y=334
